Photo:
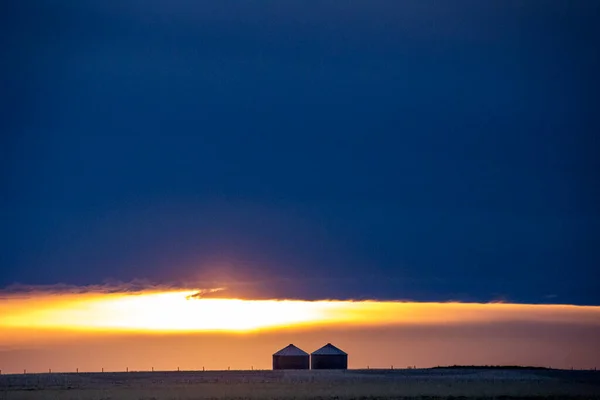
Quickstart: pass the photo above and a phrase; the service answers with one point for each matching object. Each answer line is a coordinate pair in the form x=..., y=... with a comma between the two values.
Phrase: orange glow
x=174, y=311
x=168, y=329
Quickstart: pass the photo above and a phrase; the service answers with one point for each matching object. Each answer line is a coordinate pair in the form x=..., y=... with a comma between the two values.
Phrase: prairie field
x=352, y=384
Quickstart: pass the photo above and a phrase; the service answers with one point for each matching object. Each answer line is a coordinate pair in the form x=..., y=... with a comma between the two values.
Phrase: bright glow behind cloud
x=166, y=311
x=175, y=311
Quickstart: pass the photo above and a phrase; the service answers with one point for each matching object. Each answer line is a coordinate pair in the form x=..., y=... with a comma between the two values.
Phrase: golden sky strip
x=174, y=311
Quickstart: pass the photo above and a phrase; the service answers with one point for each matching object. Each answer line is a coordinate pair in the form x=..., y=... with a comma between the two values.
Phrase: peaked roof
x=329, y=350
x=291, y=350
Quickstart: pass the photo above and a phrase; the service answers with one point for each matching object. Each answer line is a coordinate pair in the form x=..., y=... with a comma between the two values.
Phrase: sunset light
x=177, y=311
x=269, y=200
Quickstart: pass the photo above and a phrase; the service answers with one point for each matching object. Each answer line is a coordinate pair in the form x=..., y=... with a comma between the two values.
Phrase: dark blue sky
x=384, y=149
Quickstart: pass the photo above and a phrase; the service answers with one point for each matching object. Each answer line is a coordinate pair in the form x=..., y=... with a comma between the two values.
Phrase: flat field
x=352, y=384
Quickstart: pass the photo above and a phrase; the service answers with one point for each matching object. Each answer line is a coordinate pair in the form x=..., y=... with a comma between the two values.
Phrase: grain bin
x=329, y=357
x=291, y=357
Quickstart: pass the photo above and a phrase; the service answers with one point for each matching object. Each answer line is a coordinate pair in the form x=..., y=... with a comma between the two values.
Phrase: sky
x=420, y=151
x=164, y=329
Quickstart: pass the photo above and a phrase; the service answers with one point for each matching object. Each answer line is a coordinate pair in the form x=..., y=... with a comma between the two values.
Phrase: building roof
x=329, y=350
x=291, y=350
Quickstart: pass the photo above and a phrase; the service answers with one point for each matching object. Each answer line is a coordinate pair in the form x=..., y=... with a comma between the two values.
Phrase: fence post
x=126, y=369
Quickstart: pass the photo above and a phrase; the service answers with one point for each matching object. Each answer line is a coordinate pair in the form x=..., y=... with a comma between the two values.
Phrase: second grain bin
x=329, y=357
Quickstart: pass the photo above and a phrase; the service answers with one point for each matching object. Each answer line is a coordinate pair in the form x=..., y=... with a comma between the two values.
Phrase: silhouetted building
x=329, y=357
x=291, y=357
